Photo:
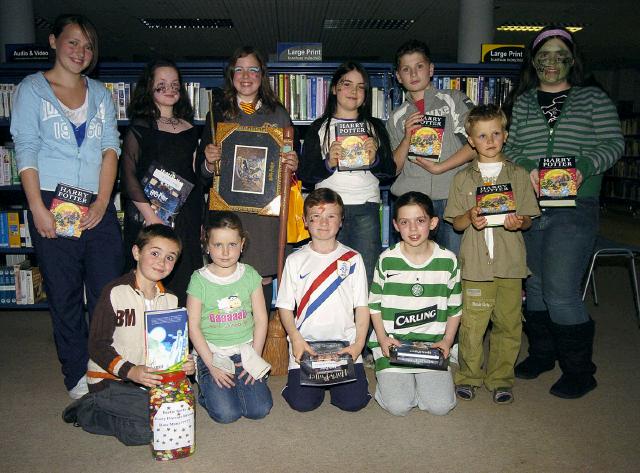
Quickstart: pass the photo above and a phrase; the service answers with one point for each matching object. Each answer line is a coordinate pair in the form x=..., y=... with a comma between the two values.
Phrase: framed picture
x=249, y=179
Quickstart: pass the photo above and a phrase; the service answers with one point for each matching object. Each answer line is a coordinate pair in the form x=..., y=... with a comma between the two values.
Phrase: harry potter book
x=558, y=183
x=495, y=203
x=426, y=142
x=327, y=367
x=418, y=355
x=166, y=338
x=166, y=191
x=352, y=135
x=68, y=206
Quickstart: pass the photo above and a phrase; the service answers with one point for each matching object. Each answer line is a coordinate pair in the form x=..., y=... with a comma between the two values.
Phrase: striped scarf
x=248, y=107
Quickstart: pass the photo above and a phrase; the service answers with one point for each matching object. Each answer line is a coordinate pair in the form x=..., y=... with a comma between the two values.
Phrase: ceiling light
x=367, y=24
x=534, y=27
x=187, y=23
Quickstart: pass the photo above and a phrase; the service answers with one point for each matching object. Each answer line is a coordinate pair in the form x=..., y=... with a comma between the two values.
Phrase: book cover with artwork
x=495, y=203
x=558, y=182
x=327, y=367
x=352, y=135
x=426, y=141
x=418, y=354
x=166, y=191
x=68, y=206
x=166, y=339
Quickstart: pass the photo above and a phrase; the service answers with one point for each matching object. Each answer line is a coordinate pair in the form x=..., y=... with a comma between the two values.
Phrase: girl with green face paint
x=554, y=113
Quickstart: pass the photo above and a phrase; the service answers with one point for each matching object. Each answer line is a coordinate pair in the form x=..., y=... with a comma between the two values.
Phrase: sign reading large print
x=503, y=53
x=299, y=52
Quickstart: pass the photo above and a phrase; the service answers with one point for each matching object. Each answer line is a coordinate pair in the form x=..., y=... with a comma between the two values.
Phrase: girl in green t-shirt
x=228, y=326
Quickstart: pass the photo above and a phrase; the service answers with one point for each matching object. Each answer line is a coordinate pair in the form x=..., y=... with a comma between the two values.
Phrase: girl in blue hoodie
x=65, y=132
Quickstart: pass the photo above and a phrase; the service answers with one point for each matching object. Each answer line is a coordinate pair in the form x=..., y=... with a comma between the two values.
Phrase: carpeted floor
x=537, y=433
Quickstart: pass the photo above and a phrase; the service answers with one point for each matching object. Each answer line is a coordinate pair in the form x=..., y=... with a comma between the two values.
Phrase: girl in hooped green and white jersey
x=415, y=296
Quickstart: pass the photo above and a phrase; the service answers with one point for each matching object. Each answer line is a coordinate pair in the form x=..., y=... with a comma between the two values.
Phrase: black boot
x=575, y=347
x=542, y=354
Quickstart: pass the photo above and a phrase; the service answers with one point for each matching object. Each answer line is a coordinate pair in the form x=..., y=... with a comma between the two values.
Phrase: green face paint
x=553, y=62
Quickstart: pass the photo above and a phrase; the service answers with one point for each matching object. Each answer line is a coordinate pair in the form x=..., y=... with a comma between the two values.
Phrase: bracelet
x=207, y=167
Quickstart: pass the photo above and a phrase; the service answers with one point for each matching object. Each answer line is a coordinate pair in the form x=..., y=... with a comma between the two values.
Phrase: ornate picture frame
x=249, y=179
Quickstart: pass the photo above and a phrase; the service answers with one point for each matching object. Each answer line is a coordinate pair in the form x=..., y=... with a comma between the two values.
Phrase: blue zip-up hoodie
x=44, y=138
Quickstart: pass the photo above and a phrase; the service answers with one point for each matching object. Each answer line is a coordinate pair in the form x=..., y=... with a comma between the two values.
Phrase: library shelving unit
x=621, y=184
x=207, y=75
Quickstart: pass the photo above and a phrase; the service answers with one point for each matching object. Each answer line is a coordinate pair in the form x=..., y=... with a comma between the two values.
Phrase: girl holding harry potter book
x=349, y=102
x=555, y=114
x=249, y=100
x=65, y=132
x=161, y=135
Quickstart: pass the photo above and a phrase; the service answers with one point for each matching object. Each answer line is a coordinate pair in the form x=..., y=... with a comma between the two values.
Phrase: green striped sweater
x=415, y=301
x=588, y=128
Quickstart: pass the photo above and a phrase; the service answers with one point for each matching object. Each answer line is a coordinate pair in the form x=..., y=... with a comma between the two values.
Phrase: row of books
x=621, y=189
x=304, y=96
x=630, y=126
x=14, y=229
x=481, y=90
x=20, y=283
x=6, y=96
x=8, y=169
x=632, y=147
x=626, y=168
x=121, y=95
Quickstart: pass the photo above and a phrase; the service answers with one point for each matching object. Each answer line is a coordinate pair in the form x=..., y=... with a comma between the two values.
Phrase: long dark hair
x=142, y=105
x=364, y=110
x=269, y=100
x=528, y=75
x=87, y=28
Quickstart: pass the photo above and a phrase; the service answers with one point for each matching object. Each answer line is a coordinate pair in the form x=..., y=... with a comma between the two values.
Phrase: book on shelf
x=22, y=283
x=418, y=354
x=558, y=181
x=426, y=141
x=14, y=229
x=327, y=367
x=8, y=167
x=166, y=339
x=68, y=206
x=352, y=136
x=495, y=203
x=166, y=191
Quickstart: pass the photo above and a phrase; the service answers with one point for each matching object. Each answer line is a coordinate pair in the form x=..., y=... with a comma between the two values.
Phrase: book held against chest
x=495, y=203
x=166, y=191
x=327, y=367
x=352, y=135
x=166, y=339
x=68, y=206
x=418, y=355
x=558, y=181
x=426, y=141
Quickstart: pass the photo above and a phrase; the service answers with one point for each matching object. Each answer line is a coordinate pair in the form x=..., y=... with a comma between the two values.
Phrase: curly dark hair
x=142, y=105
x=269, y=100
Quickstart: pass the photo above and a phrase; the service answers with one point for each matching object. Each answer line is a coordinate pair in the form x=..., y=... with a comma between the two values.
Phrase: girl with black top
x=349, y=100
x=161, y=131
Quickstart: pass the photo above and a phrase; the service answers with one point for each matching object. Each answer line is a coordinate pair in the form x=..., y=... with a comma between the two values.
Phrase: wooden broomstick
x=276, y=350
x=216, y=165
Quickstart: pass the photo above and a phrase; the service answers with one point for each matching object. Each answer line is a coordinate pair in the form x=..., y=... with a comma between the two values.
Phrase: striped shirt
x=415, y=301
x=588, y=128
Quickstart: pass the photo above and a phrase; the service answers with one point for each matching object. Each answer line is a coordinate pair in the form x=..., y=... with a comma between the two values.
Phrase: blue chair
x=605, y=249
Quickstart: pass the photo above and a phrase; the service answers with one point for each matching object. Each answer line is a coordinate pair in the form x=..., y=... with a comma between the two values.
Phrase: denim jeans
x=444, y=234
x=226, y=405
x=361, y=231
x=559, y=247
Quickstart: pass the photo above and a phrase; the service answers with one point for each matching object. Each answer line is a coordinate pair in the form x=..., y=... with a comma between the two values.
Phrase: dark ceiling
x=609, y=40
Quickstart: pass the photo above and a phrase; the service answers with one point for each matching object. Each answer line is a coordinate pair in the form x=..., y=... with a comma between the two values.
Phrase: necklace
x=169, y=121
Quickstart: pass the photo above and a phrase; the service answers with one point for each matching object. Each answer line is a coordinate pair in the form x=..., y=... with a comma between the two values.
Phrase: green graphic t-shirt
x=226, y=318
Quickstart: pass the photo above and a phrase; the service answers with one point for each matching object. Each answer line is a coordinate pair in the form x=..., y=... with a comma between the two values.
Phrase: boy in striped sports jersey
x=415, y=296
x=324, y=284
